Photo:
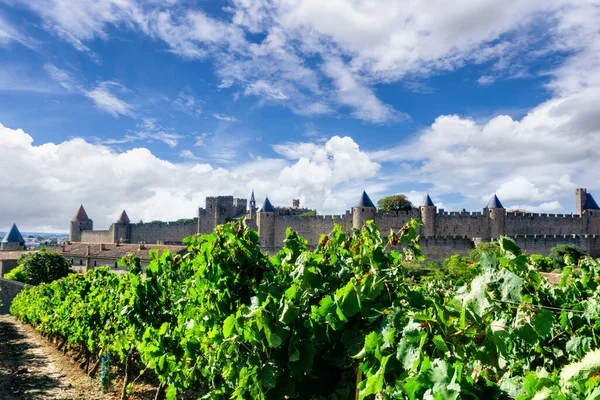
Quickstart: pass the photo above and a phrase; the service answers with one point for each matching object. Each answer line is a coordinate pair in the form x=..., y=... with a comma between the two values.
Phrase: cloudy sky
x=153, y=105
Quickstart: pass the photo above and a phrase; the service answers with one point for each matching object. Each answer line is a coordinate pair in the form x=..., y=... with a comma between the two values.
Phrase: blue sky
x=152, y=106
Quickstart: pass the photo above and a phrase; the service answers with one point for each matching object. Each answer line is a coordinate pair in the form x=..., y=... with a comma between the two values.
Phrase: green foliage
x=43, y=266
x=560, y=253
x=482, y=248
x=184, y=220
x=16, y=274
x=541, y=263
x=310, y=213
x=397, y=202
x=234, y=323
x=156, y=221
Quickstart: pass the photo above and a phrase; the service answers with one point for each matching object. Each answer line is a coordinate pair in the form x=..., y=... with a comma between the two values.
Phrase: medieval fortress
x=443, y=233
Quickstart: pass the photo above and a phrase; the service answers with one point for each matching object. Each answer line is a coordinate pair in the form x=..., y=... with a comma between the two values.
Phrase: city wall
x=162, y=232
x=8, y=291
x=309, y=227
x=97, y=236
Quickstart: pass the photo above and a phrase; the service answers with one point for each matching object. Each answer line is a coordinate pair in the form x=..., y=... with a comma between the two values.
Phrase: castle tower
x=497, y=217
x=428, y=216
x=266, y=224
x=580, y=200
x=252, y=206
x=364, y=211
x=13, y=240
x=80, y=222
x=122, y=229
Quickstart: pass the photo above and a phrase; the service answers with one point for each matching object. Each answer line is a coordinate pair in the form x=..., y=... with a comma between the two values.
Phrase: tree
x=44, y=266
x=397, y=202
x=311, y=213
x=16, y=274
x=558, y=253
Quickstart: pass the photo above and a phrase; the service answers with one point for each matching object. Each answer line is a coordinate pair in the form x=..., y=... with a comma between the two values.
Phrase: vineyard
x=344, y=321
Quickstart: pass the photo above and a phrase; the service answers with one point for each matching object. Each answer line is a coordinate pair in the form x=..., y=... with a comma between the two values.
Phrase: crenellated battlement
x=443, y=232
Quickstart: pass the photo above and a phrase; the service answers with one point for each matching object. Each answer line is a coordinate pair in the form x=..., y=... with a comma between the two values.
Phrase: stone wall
x=7, y=265
x=8, y=290
x=394, y=220
x=439, y=248
x=162, y=232
x=309, y=227
x=97, y=236
x=462, y=224
x=542, y=244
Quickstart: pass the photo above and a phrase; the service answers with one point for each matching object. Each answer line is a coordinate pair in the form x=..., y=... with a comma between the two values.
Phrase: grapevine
x=342, y=321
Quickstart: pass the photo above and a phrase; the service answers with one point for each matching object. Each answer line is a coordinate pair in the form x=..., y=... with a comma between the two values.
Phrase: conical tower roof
x=495, y=203
x=267, y=206
x=427, y=202
x=13, y=236
x=590, y=203
x=365, y=201
x=123, y=218
x=81, y=215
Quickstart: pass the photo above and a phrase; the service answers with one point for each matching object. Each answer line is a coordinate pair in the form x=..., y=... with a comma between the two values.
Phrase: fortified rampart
x=443, y=233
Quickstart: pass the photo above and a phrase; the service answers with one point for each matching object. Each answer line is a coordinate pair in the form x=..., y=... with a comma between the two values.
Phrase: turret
x=585, y=202
x=428, y=216
x=497, y=217
x=252, y=206
x=363, y=211
x=122, y=229
x=13, y=240
x=266, y=224
x=80, y=222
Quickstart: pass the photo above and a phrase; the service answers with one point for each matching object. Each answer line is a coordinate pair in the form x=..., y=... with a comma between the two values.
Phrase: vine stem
x=126, y=378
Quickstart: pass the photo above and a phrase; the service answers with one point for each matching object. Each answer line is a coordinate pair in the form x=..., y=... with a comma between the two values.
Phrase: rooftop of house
x=13, y=255
x=114, y=251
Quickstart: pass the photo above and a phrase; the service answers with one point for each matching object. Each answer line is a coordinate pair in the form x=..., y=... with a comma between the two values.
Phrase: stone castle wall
x=8, y=291
x=309, y=227
x=162, y=232
x=97, y=236
x=462, y=224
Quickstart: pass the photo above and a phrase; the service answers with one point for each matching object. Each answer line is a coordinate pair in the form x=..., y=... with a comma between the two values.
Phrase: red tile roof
x=123, y=218
x=81, y=215
x=112, y=251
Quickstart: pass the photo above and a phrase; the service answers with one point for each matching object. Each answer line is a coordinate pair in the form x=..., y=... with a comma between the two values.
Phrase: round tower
x=122, y=229
x=13, y=240
x=364, y=211
x=266, y=224
x=428, y=216
x=80, y=222
x=497, y=217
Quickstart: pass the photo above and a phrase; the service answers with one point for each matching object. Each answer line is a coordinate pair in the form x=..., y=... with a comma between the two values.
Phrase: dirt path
x=31, y=368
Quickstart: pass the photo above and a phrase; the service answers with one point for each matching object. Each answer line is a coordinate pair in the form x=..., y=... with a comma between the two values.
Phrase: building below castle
x=443, y=233
x=12, y=246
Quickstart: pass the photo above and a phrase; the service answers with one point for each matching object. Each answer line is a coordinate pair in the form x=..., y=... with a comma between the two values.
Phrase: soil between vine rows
x=32, y=368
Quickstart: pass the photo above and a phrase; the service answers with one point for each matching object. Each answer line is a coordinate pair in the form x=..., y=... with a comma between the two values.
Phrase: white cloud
x=147, y=130
x=188, y=155
x=264, y=88
x=187, y=103
x=552, y=207
x=10, y=34
x=541, y=157
x=351, y=92
x=379, y=42
x=62, y=77
x=486, y=80
x=223, y=117
x=200, y=139
x=75, y=171
x=105, y=100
